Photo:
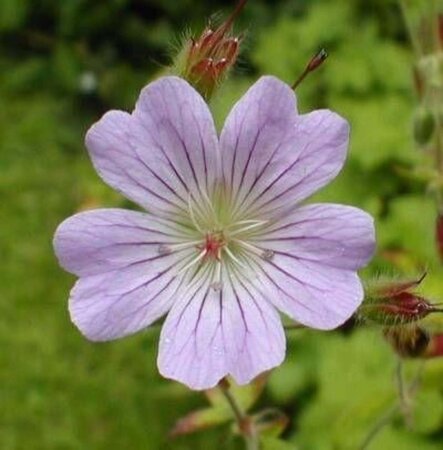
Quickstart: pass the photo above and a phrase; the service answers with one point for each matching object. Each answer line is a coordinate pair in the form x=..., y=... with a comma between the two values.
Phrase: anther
x=163, y=249
x=268, y=255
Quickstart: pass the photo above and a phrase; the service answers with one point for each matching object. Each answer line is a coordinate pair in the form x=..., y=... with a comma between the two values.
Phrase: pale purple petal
x=316, y=251
x=174, y=135
x=163, y=153
x=335, y=235
x=274, y=157
x=313, y=294
x=126, y=281
x=209, y=334
x=321, y=140
x=118, y=164
x=254, y=139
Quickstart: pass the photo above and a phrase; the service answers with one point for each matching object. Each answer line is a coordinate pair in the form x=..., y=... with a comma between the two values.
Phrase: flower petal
x=334, y=235
x=163, y=153
x=126, y=282
x=255, y=130
x=103, y=240
x=314, y=294
x=321, y=140
x=316, y=251
x=275, y=158
x=209, y=334
x=173, y=134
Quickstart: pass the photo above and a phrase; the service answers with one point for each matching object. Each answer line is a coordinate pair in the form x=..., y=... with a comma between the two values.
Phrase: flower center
x=213, y=245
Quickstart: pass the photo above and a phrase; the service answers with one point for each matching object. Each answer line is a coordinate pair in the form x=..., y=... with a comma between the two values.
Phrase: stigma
x=213, y=245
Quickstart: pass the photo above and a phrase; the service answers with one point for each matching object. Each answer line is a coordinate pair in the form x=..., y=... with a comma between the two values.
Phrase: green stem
x=413, y=36
x=244, y=422
x=405, y=392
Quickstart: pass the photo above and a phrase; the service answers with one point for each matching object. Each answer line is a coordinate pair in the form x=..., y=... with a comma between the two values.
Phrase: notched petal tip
x=271, y=85
x=158, y=86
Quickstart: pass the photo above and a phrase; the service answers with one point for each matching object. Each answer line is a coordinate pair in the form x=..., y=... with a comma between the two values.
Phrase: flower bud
x=408, y=342
x=207, y=60
x=424, y=126
x=393, y=303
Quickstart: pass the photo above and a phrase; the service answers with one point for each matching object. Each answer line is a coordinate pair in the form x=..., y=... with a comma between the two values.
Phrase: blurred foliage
x=61, y=65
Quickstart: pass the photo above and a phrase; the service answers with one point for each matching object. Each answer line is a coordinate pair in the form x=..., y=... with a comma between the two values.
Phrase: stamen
x=198, y=258
x=268, y=255
x=192, y=215
x=250, y=247
x=166, y=249
x=216, y=285
x=253, y=224
x=211, y=207
x=234, y=258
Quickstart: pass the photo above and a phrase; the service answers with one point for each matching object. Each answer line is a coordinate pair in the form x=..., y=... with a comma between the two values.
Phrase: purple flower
x=226, y=243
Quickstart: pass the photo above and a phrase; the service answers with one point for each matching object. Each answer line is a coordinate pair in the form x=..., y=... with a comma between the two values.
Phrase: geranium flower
x=226, y=243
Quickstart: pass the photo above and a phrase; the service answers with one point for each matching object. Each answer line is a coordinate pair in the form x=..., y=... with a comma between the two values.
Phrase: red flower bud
x=209, y=58
x=393, y=303
x=314, y=63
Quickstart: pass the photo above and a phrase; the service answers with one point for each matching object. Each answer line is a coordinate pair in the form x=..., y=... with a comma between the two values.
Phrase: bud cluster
x=399, y=309
x=206, y=60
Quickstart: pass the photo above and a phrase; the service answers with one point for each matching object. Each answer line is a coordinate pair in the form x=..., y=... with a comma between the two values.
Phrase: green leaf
x=427, y=413
x=272, y=443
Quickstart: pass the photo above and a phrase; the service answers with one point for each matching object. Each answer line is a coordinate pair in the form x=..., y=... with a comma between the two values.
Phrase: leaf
x=272, y=443
x=427, y=411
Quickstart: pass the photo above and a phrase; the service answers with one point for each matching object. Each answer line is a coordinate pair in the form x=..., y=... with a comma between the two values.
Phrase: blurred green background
x=62, y=64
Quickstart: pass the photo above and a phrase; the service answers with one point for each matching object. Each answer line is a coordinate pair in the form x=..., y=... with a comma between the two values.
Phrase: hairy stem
x=244, y=422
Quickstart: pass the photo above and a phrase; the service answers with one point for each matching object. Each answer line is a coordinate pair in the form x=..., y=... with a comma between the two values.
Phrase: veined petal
x=316, y=251
x=126, y=282
x=254, y=138
x=319, y=146
x=173, y=133
x=116, y=161
x=275, y=158
x=162, y=154
x=103, y=240
x=209, y=334
x=335, y=235
x=316, y=295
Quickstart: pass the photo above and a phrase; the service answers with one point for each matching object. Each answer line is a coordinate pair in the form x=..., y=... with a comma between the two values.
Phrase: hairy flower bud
x=205, y=61
x=393, y=303
x=408, y=342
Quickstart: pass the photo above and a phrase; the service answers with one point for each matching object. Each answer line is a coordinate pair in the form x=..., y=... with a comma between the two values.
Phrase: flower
x=226, y=243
